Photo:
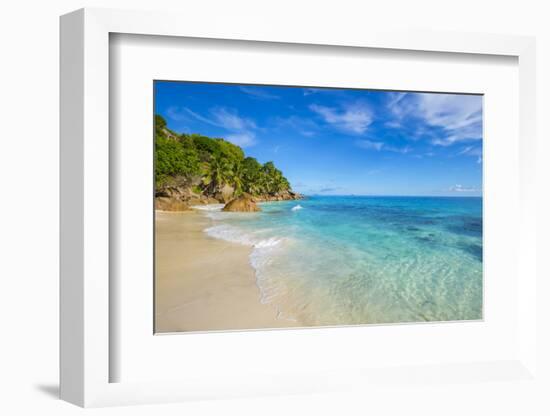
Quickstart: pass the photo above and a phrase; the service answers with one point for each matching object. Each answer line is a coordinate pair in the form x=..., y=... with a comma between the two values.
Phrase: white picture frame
x=86, y=355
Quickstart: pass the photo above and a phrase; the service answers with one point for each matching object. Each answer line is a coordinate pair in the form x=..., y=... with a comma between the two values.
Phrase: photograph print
x=297, y=207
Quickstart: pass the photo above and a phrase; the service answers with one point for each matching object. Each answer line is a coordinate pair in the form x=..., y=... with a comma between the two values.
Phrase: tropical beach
x=350, y=207
x=391, y=260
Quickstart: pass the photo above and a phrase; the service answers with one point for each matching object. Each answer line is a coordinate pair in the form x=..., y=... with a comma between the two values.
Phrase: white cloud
x=198, y=116
x=378, y=146
x=423, y=155
x=458, y=115
x=219, y=117
x=460, y=188
x=230, y=120
x=397, y=105
x=370, y=145
x=245, y=139
x=470, y=151
x=352, y=118
x=465, y=150
x=304, y=126
x=403, y=150
x=240, y=129
x=259, y=92
x=451, y=111
x=393, y=124
x=475, y=151
x=177, y=113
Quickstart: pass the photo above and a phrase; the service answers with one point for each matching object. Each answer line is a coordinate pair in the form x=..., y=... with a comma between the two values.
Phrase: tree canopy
x=212, y=163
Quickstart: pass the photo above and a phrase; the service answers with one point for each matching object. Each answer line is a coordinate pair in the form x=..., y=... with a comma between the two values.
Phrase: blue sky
x=340, y=141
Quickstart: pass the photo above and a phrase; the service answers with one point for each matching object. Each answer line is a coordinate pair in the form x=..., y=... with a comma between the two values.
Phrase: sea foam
x=209, y=207
x=237, y=235
x=263, y=249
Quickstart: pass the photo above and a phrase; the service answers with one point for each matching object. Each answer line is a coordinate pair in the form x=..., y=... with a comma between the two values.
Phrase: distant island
x=192, y=169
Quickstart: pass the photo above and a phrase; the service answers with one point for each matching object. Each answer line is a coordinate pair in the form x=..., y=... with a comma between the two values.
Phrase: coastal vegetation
x=196, y=169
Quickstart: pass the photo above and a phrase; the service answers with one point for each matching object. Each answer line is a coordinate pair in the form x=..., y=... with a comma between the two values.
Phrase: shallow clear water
x=359, y=260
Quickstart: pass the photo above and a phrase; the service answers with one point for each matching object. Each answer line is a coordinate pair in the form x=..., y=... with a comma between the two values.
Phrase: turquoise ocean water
x=337, y=260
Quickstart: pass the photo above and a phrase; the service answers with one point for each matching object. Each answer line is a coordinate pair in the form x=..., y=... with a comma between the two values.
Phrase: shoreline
x=203, y=283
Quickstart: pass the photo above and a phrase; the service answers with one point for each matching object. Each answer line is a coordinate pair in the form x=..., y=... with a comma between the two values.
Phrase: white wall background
x=29, y=209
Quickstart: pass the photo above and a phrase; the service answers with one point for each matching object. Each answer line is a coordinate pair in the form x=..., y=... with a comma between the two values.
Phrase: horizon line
x=399, y=196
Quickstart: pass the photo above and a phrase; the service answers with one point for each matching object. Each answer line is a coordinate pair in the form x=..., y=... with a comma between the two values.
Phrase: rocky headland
x=192, y=169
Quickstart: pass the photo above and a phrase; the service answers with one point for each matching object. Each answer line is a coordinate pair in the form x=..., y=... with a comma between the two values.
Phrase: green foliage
x=237, y=179
x=217, y=173
x=230, y=151
x=215, y=161
x=273, y=179
x=160, y=125
x=251, y=175
x=206, y=147
x=174, y=159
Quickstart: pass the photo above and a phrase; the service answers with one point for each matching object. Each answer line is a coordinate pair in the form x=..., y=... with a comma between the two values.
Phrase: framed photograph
x=271, y=212
x=375, y=217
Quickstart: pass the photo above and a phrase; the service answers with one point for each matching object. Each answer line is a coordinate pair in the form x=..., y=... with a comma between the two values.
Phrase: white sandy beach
x=202, y=283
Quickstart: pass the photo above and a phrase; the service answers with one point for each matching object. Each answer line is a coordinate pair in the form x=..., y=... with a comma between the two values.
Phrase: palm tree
x=237, y=177
x=217, y=173
x=280, y=183
x=264, y=182
x=253, y=188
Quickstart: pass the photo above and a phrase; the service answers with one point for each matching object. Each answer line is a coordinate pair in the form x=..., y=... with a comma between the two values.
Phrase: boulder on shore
x=243, y=203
